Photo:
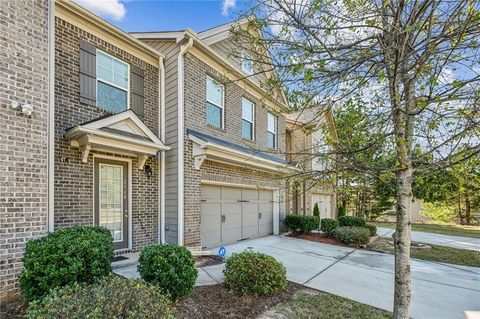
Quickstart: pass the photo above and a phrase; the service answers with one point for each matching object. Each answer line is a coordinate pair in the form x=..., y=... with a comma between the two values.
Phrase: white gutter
x=51, y=116
x=161, y=164
x=181, y=132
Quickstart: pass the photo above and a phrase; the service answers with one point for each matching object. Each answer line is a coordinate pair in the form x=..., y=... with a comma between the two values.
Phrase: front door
x=111, y=199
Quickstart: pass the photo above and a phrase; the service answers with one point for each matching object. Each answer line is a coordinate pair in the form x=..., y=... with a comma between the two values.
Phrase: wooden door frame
x=129, y=179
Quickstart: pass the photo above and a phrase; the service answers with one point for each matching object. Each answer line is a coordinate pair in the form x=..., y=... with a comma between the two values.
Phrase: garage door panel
x=210, y=192
x=232, y=225
x=265, y=195
x=249, y=194
x=211, y=225
x=231, y=193
x=266, y=219
x=249, y=220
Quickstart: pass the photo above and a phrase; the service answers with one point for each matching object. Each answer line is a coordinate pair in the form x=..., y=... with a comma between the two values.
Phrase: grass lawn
x=320, y=305
x=453, y=230
x=435, y=253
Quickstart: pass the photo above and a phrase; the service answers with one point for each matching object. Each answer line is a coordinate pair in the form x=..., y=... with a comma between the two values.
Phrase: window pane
x=121, y=81
x=104, y=73
x=272, y=123
x=247, y=65
x=105, y=61
x=214, y=115
x=111, y=98
x=271, y=140
x=121, y=74
x=214, y=92
x=247, y=130
x=247, y=110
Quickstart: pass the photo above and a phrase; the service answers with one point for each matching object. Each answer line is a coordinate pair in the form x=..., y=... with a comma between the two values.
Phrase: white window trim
x=222, y=120
x=275, y=139
x=110, y=83
x=244, y=58
x=253, y=119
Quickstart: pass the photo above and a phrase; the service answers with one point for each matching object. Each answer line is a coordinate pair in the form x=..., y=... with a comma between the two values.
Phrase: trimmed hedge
x=77, y=254
x=328, y=226
x=112, y=297
x=351, y=221
x=372, y=229
x=316, y=210
x=342, y=211
x=353, y=236
x=254, y=273
x=170, y=267
x=301, y=223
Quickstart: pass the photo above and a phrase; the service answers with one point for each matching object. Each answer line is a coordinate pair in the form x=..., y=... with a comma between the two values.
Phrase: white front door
x=324, y=204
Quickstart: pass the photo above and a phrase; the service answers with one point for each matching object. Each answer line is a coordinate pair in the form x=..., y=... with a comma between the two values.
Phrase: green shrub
x=372, y=229
x=328, y=226
x=301, y=223
x=170, y=267
x=316, y=210
x=351, y=221
x=112, y=297
x=254, y=273
x=342, y=211
x=77, y=254
x=353, y=236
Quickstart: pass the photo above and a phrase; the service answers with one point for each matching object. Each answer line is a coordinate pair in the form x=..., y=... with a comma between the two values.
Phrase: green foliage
x=438, y=211
x=112, y=297
x=316, y=210
x=353, y=236
x=328, y=226
x=351, y=221
x=170, y=267
x=77, y=254
x=342, y=211
x=301, y=223
x=254, y=273
x=372, y=229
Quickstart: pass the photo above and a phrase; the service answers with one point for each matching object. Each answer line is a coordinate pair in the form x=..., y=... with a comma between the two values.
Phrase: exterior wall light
x=26, y=109
x=148, y=170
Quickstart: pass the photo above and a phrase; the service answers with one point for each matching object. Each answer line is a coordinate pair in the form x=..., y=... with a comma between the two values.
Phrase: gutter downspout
x=181, y=131
x=51, y=116
x=161, y=163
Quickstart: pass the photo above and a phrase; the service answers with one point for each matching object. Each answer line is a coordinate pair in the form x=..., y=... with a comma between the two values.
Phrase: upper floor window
x=215, y=92
x=248, y=119
x=247, y=65
x=272, y=130
x=112, y=83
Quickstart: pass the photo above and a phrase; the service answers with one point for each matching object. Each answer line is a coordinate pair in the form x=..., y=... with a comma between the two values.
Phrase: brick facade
x=195, y=117
x=73, y=178
x=23, y=139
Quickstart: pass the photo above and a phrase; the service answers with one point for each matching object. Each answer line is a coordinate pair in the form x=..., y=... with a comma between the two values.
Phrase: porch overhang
x=122, y=133
x=206, y=147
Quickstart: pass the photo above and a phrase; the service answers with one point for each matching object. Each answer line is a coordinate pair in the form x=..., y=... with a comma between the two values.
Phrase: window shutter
x=137, y=90
x=88, y=73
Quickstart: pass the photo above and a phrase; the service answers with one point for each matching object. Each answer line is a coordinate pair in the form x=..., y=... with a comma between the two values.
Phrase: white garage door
x=230, y=214
x=324, y=204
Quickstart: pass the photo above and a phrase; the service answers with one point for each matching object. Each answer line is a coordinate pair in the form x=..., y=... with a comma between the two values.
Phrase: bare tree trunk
x=467, y=211
x=402, y=245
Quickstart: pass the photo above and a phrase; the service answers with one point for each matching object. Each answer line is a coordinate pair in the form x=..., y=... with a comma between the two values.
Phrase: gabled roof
x=122, y=132
x=219, y=33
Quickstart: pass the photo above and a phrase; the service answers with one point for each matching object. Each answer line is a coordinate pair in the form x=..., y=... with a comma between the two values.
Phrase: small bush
x=372, y=229
x=353, y=236
x=69, y=255
x=301, y=223
x=328, y=226
x=170, y=267
x=254, y=273
x=341, y=211
x=112, y=297
x=351, y=221
x=316, y=210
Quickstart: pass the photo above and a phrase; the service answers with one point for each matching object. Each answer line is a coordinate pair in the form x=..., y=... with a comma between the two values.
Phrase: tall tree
x=416, y=61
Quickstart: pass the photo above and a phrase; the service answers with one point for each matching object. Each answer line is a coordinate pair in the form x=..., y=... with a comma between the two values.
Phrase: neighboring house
x=415, y=214
x=305, y=134
x=225, y=182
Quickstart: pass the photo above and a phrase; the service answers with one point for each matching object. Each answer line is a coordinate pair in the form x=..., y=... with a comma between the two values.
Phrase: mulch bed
x=13, y=309
x=216, y=302
x=319, y=238
x=204, y=261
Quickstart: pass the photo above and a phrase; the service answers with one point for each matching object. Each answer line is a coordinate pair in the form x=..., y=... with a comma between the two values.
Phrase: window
x=112, y=83
x=247, y=65
x=272, y=130
x=214, y=103
x=248, y=119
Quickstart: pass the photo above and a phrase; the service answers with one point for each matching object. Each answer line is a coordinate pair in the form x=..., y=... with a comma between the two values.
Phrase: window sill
x=221, y=129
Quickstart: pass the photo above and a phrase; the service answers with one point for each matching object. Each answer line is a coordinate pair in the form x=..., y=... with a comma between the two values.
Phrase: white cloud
x=113, y=9
x=227, y=5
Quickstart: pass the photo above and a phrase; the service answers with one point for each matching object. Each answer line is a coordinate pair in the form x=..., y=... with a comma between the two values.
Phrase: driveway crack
x=326, y=268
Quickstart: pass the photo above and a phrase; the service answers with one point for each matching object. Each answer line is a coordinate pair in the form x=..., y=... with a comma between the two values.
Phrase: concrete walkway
x=438, y=239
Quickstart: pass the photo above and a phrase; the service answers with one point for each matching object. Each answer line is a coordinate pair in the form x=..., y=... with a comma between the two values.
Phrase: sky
x=165, y=15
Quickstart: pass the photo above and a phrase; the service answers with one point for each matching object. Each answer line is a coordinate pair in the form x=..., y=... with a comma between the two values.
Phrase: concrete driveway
x=438, y=239
x=439, y=290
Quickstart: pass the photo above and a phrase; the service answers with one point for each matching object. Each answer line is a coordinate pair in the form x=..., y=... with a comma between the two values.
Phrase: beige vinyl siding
x=170, y=50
